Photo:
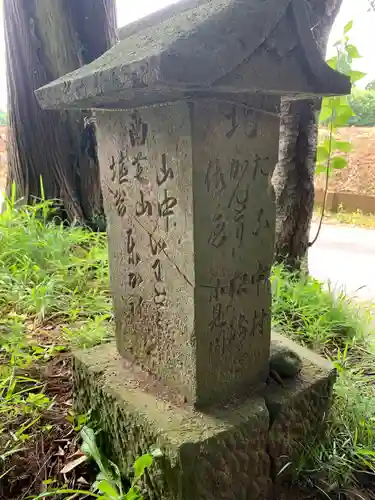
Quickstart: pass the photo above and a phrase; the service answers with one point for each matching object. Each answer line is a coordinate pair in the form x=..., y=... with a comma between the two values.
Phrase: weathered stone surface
x=299, y=410
x=189, y=204
x=194, y=46
x=217, y=456
x=235, y=452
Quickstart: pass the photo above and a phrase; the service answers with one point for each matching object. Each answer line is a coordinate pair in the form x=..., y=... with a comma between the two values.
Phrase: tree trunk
x=293, y=178
x=46, y=39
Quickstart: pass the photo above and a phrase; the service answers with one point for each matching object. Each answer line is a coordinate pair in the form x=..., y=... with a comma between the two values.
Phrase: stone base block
x=221, y=455
x=298, y=409
x=234, y=452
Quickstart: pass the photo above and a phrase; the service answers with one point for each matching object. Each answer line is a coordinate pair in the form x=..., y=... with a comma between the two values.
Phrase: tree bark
x=46, y=39
x=293, y=178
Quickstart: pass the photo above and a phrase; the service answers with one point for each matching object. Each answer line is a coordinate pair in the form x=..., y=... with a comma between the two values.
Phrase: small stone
x=285, y=362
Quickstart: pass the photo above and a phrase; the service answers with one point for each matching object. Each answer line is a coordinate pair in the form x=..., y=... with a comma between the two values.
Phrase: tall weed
x=321, y=319
x=50, y=270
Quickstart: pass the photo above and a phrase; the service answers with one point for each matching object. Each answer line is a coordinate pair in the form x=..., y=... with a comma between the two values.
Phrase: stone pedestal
x=233, y=452
x=221, y=455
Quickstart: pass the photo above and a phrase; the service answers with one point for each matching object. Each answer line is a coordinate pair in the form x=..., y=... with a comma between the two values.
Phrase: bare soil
x=44, y=456
x=359, y=176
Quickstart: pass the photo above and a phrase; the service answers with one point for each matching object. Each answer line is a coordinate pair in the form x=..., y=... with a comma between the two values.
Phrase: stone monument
x=187, y=125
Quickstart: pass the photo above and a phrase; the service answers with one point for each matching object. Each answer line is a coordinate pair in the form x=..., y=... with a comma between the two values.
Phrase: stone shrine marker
x=188, y=129
x=191, y=229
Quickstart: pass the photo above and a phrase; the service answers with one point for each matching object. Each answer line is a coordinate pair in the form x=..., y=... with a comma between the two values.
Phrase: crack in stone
x=273, y=471
x=151, y=235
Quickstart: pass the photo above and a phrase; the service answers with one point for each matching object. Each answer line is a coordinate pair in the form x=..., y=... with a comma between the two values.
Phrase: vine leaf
x=141, y=464
x=348, y=27
x=326, y=113
x=338, y=162
x=343, y=114
x=322, y=154
x=355, y=76
x=344, y=146
x=332, y=63
x=353, y=51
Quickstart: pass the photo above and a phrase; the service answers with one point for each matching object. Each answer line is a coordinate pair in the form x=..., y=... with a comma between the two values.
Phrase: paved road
x=345, y=256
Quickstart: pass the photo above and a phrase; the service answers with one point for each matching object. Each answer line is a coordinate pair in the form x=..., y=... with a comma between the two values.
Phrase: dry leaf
x=82, y=480
x=77, y=453
x=60, y=452
x=73, y=464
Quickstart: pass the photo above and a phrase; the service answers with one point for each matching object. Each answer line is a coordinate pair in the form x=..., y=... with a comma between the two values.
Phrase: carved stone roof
x=200, y=46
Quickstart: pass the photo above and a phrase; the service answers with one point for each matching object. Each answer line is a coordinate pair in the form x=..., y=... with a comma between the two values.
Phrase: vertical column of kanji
x=235, y=153
x=154, y=214
x=141, y=218
x=122, y=138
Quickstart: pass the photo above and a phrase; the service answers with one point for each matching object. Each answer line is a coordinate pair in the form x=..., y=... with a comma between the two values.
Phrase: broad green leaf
x=332, y=62
x=132, y=495
x=337, y=102
x=355, y=76
x=353, y=51
x=325, y=114
x=105, y=487
x=348, y=27
x=338, y=163
x=141, y=464
x=90, y=448
x=342, y=115
x=321, y=154
x=344, y=146
x=320, y=169
x=329, y=144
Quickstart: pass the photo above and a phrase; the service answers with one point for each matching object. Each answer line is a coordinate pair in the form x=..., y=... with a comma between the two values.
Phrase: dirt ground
x=359, y=176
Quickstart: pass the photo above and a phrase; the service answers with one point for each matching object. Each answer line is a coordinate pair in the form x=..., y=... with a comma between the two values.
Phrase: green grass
x=48, y=270
x=314, y=316
x=54, y=296
x=342, y=330
x=357, y=218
